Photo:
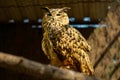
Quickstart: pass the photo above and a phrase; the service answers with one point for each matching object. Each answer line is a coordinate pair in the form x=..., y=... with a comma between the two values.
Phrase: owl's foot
x=69, y=64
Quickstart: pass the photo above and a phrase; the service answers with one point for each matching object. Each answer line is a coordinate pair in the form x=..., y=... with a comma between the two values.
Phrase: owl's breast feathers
x=69, y=39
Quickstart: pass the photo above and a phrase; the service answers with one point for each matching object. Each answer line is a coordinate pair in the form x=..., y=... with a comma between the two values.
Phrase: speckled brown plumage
x=63, y=44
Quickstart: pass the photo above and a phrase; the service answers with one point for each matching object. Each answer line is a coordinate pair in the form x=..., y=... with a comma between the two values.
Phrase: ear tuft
x=46, y=9
x=65, y=9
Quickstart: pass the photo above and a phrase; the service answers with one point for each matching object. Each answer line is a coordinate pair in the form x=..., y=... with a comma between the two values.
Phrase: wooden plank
x=15, y=13
x=6, y=13
x=32, y=11
x=20, y=9
x=3, y=17
x=27, y=9
x=81, y=11
x=76, y=12
x=6, y=3
x=92, y=11
x=86, y=9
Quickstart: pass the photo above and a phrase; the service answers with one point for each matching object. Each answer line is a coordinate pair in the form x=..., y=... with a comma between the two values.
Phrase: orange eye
x=49, y=14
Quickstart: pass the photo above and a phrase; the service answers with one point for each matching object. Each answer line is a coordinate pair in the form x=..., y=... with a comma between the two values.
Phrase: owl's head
x=57, y=15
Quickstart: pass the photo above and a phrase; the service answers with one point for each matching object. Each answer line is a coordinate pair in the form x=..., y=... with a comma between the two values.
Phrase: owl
x=64, y=45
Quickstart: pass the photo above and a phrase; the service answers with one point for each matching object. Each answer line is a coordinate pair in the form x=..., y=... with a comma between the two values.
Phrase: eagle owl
x=62, y=44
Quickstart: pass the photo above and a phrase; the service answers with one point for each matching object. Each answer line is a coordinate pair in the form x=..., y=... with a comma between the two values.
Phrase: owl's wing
x=79, y=39
x=84, y=44
x=69, y=40
x=47, y=48
x=70, y=44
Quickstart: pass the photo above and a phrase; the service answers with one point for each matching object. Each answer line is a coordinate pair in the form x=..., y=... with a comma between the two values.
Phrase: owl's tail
x=84, y=63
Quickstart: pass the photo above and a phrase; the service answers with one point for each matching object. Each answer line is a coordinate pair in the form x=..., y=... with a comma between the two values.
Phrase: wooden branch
x=44, y=72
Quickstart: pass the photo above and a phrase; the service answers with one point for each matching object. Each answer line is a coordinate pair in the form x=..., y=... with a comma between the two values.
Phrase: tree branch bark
x=32, y=68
